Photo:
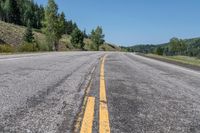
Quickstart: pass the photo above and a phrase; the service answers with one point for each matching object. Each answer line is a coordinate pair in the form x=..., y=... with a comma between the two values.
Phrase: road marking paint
x=80, y=115
x=104, y=125
x=88, y=116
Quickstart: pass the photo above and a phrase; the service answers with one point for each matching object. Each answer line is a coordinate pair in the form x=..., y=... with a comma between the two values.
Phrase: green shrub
x=69, y=45
x=5, y=48
x=89, y=46
x=28, y=47
x=42, y=45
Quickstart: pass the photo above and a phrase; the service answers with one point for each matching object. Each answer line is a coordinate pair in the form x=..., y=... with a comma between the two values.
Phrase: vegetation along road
x=96, y=92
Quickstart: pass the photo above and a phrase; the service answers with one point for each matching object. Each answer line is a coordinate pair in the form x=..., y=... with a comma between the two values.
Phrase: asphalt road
x=45, y=93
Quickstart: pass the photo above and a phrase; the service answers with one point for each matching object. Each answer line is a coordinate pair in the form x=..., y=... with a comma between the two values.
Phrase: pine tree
x=62, y=25
x=29, y=36
x=1, y=9
x=15, y=12
x=77, y=38
x=85, y=34
x=70, y=27
x=7, y=10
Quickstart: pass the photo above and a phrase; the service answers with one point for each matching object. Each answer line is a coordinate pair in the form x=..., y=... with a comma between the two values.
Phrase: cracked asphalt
x=43, y=93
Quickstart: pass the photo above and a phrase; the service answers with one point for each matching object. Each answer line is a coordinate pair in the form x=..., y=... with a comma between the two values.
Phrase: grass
x=181, y=59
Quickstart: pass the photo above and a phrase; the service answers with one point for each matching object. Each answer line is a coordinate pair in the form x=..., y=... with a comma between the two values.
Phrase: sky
x=130, y=22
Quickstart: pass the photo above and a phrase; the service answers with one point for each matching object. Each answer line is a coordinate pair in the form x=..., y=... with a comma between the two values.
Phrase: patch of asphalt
x=190, y=66
x=143, y=98
x=51, y=110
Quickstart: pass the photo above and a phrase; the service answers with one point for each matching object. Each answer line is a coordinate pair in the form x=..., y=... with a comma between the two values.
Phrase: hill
x=13, y=35
x=189, y=47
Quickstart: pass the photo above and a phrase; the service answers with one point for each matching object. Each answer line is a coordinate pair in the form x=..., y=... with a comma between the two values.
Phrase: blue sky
x=129, y=22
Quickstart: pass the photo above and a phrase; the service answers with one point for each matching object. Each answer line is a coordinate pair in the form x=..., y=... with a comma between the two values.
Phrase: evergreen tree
x=10, y=11
x=2, y=10
x=21, y=11
x=29, y=36
x=85, y=34
x=7, y=10
x=70, y=27
x=15, y=12
x=62, y=25
x=77, y=38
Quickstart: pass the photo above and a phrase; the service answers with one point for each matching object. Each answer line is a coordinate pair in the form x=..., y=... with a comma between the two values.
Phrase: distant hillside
x=13, y=35
x=149, y=48
x=186, y=47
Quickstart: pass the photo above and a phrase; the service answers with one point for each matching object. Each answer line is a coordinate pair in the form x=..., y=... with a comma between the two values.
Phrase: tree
x=21, y=11
x=31, y=11
x=2, y=10
x=29, y=36
x=159, y=51
x=77, y=38
x=52, y=25
x=10, y=11
x=70, y=27
x=85, y=34
x=62, y=25
x=7, y=10
x=177, y=46
x=97, y=37
x=15, y=12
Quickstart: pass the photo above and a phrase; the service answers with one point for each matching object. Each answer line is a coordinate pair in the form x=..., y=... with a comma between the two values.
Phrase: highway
x=91, y=92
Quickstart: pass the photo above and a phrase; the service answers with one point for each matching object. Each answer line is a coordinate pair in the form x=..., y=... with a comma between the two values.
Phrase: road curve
x=44, y=93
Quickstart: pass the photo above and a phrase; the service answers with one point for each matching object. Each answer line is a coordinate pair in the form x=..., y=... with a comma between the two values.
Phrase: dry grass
x=181, y=59
x=13, y=34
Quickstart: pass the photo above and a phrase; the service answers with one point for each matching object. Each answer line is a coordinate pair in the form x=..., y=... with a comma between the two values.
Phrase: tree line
x=21, y=11
x=175, y=46
x=48, y=21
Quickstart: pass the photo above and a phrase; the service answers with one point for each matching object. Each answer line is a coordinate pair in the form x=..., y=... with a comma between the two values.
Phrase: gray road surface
x=43, y=93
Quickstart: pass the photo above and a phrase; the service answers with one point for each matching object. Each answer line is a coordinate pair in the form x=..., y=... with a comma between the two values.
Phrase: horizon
x=135, y=22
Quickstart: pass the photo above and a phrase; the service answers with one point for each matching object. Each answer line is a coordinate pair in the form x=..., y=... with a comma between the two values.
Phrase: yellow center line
x=88, y=116
x=104, y=125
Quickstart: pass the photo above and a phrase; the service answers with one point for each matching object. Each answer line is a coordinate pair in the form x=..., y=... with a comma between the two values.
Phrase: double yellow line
x=87, y=123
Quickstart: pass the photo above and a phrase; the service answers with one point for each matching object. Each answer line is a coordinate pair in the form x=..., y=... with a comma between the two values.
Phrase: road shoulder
x=190, y=66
